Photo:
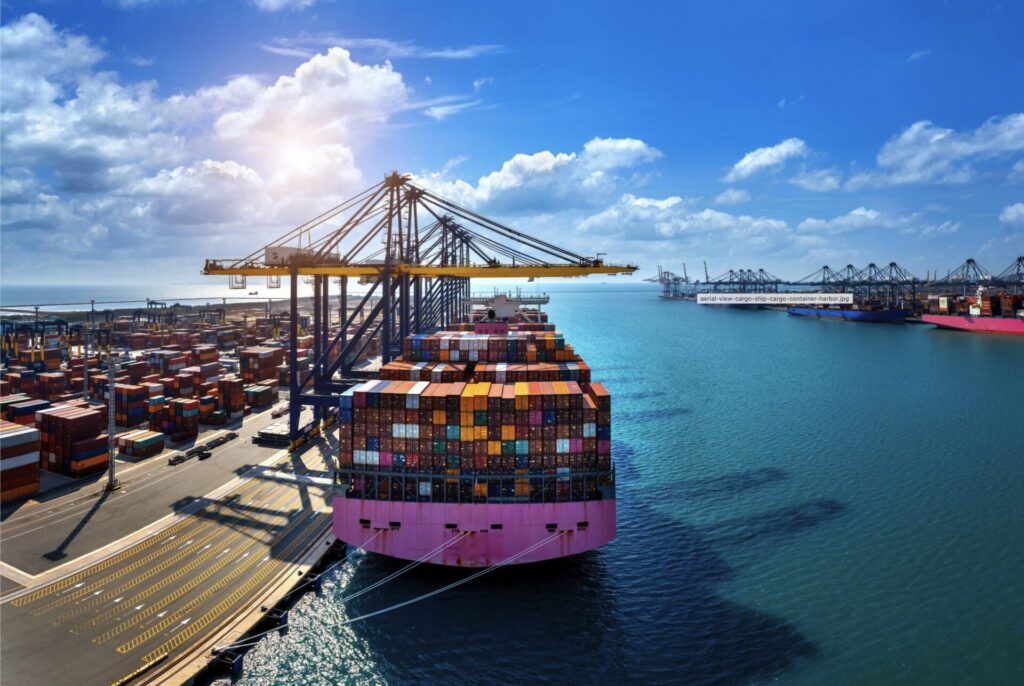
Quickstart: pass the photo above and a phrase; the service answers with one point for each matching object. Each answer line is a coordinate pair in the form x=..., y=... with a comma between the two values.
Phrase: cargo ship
x=977, y=324
x=875, y=316
x=984, y=312
x=482, y=444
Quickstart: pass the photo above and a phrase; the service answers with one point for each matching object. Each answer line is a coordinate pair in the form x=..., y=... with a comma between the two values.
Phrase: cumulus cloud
x=918, y=55
x=819, y=180
x=548, y=181
x=769, y=158
x=925, y=153
x=856, y=219
x=732, y=196
x=674, y=218
x=1013, y=215
x=90, y=160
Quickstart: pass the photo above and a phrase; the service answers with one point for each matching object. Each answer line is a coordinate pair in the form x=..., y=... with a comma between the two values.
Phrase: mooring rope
x=253, y=640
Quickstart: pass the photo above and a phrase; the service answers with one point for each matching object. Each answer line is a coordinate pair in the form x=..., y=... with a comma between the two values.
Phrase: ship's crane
x=417, y=252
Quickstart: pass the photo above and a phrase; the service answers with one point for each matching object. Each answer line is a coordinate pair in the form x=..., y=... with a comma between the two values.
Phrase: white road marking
x=180, y=626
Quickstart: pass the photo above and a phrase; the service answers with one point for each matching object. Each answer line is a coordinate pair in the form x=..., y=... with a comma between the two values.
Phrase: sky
x=140, y=137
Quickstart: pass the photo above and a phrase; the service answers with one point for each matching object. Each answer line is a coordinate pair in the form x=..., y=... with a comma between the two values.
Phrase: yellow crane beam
x=471, y=271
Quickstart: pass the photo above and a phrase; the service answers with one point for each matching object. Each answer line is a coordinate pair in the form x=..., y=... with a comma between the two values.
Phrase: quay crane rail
x=417, y=252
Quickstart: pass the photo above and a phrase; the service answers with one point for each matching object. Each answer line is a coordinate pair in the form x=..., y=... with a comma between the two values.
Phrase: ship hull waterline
x=869, y=316
x=494, y=532
x=1003, y=325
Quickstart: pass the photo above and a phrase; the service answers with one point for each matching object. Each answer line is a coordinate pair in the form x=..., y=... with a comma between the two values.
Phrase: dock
x=140, y=585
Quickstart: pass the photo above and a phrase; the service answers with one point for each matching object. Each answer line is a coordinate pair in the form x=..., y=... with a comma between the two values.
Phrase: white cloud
x=304, y=53
x=278, y=5
x=918, y=55
x=639, y=218
x=427, y=80
x=819, y=180
x=207, y=192
x=772, y=157
x=732, y=196
x=89, y=160
x=855, y=220
x=1013, y=215
x=382, y=48
x=925, y=153
x=439, y=112
x=547, y=181
x=612, y=153
x=1016, y=172
x=481, y=82
x=781, y=104
x=139, y=61
x=946, y=228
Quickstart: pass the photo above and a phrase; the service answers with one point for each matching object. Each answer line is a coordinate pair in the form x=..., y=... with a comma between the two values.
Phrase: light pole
x=112, y=483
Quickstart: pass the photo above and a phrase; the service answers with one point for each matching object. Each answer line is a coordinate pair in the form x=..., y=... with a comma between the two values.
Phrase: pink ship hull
x=424, y=527
x=979, y=324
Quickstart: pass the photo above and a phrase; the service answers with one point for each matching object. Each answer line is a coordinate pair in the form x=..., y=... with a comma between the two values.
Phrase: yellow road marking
x=100, y=583
x=181, y=590
x=195, y=627
x=198, y=600
x=128, y=678
x=149, y=573
x=99, y=566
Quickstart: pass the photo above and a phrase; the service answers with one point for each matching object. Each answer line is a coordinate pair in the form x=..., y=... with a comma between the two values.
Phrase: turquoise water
x=800, y=502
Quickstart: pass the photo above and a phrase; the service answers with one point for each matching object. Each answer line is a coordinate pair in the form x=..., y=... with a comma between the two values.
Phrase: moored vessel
x=484, y=444
x=987, y=311
x=977, y=324
x=883, y=316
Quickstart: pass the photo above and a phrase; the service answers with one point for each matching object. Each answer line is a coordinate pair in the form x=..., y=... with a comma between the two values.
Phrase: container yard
x=453, y=429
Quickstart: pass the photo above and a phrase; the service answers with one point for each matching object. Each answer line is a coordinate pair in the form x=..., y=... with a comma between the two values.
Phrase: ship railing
x=438, y=487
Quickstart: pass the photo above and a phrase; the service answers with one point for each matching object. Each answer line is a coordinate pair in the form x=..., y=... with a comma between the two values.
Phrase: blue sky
x=774, y=135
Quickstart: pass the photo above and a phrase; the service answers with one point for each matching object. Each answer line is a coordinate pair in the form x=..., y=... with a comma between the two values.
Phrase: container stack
x=464, y=346
x=180, y=419
x=260, y=396
x=130, y=404
x=437, y=372
x=260, y=363
x=71, y=441
x=207, y=406
x=205, y=354
x=232, y=397
x=140, y=443
x=24, y=412
x=502, y=372
x=51, y=386
x=185, y=385
x=19, y=461
x=477, y=428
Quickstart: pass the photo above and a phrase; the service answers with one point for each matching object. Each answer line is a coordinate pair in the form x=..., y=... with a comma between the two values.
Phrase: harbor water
x=800, y=502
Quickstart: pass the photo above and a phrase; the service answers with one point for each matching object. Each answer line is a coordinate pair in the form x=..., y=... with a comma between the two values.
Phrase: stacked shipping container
x=19, y=461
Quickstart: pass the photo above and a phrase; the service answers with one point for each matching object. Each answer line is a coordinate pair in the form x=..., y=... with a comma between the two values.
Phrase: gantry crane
x=417, y=252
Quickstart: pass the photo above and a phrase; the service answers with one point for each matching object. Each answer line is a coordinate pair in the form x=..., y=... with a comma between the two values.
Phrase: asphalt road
x=35, y=538
x=173, y=588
